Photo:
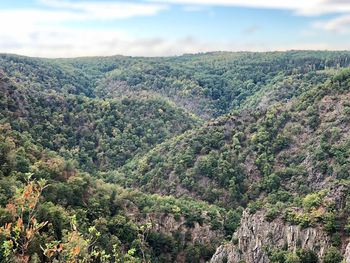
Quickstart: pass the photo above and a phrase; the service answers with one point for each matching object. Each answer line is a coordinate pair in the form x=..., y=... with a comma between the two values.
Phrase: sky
x=72, y=28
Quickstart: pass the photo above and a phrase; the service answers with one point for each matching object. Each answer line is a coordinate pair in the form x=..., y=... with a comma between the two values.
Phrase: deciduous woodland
x=217, y=157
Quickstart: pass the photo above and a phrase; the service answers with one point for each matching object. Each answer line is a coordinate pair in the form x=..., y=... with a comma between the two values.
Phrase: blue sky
x=68, y=28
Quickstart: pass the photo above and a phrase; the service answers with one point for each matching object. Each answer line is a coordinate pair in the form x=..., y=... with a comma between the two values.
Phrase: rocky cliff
x=256, y=236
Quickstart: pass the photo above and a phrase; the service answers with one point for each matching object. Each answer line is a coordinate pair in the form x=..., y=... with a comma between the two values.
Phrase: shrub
x=313, y=200
x=332, y=255
x=307, y=256
x=271, y=214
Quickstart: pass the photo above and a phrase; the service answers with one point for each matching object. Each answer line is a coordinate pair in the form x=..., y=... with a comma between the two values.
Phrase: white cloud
x=47, y=31
x=300, y=7
x=105, y=10
x=251, y=30
x=64, y=42
x=28, y=33
x=339, y=24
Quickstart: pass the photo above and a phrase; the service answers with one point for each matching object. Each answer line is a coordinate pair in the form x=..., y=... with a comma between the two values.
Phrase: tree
x=332, y=255
x=20, y=232
x=307, y=256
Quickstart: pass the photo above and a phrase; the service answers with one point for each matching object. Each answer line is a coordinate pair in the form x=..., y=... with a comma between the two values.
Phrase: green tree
x=332, y=255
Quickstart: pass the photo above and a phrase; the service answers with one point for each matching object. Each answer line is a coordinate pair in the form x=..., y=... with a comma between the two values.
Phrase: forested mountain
x=208, y=85
x=126, y=159
x=101, y=134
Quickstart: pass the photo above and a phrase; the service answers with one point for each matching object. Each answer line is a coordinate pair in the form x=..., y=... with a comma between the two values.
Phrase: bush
x=332, y=255
x=313, y=200
x=331, y=224
x=271, y=214
x=307, y=256
x=161, y=243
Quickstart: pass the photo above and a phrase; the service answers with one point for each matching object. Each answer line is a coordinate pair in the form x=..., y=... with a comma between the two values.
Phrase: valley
x=216, y=157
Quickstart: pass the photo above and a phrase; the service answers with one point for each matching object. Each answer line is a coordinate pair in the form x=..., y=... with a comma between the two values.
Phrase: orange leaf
x=29, y=233
x=76, y=251
x=19, y=222
x=8, y=226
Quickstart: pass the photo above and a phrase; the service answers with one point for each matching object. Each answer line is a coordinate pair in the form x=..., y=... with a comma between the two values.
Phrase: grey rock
x=256, y=236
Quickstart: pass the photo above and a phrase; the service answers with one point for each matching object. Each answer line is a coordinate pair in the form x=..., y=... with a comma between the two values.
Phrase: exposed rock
x=347, y=254
x=168, y=224
x=256, y=235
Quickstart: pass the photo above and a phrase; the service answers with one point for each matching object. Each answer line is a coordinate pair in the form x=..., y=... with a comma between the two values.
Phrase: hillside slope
x=290, y=161
x=84, y=212
x=207, y=85
x=98, y=134
x=172, y=159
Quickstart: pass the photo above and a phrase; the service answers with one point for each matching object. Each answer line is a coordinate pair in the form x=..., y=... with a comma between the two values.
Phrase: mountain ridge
x=163, y=156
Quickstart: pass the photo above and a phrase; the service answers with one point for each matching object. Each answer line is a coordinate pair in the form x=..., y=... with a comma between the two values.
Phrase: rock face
x=167, y=224
x=347, y=254
x=256, y=235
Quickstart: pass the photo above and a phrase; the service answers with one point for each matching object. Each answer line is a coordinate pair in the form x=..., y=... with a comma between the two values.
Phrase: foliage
x=332, y=255
x=20, y=232
x=127, y=144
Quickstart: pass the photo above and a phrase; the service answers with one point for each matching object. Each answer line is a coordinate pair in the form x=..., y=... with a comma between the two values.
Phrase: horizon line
x=181, y=55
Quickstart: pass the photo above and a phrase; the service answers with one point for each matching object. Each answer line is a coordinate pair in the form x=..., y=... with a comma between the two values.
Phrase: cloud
x=64, y=12
x=47, y=31
x=68, y=42
x=300, y=7
x=339, y=24
x=40, y=33
x=100, y=10
x=64, y=42
x=251, y=30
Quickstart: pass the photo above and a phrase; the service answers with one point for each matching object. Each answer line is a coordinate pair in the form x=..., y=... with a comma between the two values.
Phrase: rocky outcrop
x=256, y=235
x=347, y=254
x=168, y=225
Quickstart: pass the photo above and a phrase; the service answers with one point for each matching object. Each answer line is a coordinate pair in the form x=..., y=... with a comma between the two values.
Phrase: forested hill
x=98, y=134
x=207, y=85
x=127, y=159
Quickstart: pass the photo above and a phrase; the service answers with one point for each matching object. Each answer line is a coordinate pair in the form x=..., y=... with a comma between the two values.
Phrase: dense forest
x=132, y=159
